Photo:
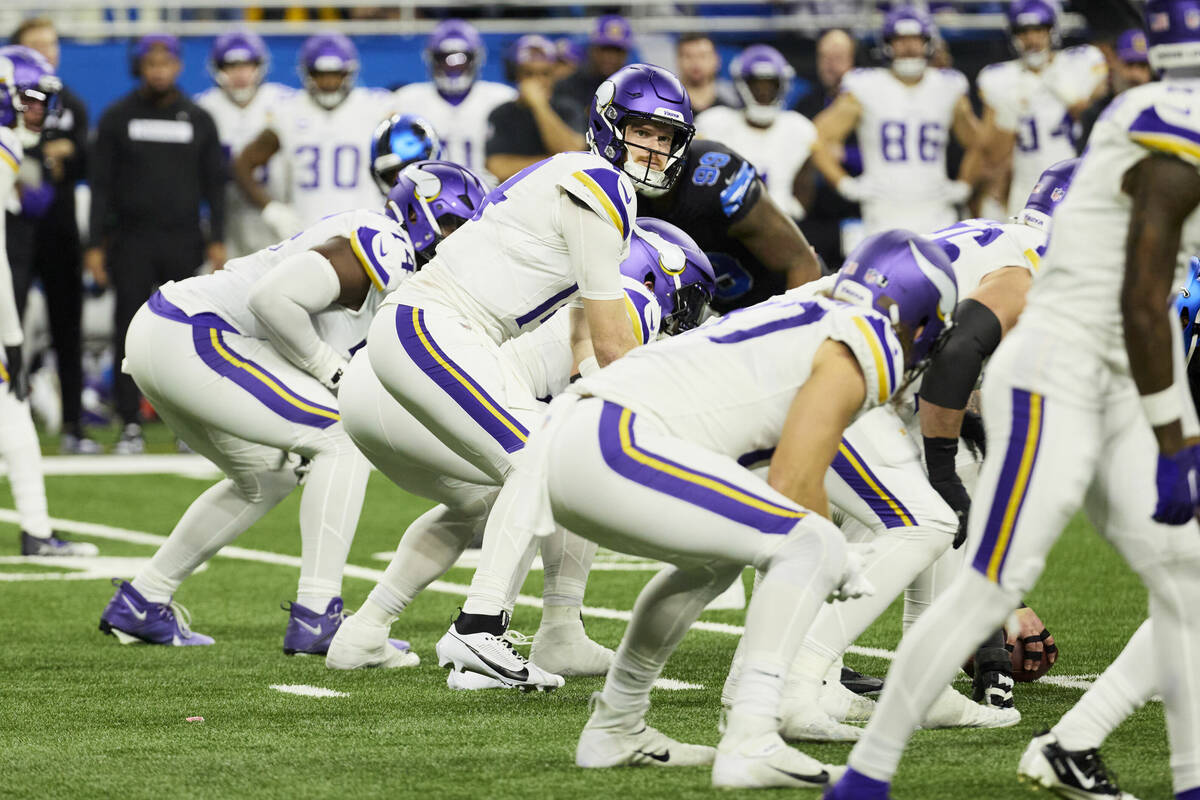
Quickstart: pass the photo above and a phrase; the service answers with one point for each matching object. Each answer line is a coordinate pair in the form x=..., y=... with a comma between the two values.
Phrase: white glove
x=854, y=583
x=956, y=192
x=282, y=219
x=856, y=190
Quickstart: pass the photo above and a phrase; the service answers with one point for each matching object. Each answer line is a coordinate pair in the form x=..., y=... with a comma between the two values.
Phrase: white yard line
x=186, y=465
x=304, y=690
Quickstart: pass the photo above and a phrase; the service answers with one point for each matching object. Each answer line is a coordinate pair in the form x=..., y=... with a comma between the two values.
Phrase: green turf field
x=82, y=716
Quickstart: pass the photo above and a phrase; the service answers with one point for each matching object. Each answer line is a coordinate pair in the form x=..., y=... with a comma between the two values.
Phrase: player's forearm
x=243, y=175
x=825, y=162
x=284, y=300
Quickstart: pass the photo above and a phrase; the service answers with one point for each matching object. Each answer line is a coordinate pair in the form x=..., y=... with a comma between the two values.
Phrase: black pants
x=138, y=263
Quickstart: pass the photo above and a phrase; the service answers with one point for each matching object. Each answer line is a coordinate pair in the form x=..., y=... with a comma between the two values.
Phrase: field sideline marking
x=442, y=587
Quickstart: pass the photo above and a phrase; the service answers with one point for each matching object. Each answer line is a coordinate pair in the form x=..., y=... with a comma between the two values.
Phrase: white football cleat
x=566, y=649
x=359, y=644
x=842, y=704
x=1074, y=774
x=472, y=681
x=765, y=761
x=603, y=744
x=495, y=657
x=953, y=710
x=808, y=724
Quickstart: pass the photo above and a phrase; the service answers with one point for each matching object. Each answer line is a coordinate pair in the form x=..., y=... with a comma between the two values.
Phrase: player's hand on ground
x=93, y=264
x=1036, y=641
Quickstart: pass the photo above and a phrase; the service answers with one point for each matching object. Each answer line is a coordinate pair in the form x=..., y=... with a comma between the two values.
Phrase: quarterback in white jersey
x=1086, y=406
x=775, y=140
x=455, y=101
x=618, y=449
x=239, y=104
x=323, y=138
x=243, y=365
x=903, y=115
x=1031, y=103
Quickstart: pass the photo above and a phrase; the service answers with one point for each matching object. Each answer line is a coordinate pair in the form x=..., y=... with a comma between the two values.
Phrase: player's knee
x=928, y=542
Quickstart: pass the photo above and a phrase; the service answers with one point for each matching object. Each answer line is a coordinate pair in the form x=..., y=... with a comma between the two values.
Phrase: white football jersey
x=380, y=243
x=327, y=153
x=245, y=231
x=977, y=247
x=509, y=269
x=462, y=126
x=728, y=386
x=902, y=133
x=777, y=152
x=1077, y=294
x=1024, y=104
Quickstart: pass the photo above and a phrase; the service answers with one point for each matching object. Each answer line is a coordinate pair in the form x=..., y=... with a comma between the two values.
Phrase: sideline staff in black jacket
x=157, y=157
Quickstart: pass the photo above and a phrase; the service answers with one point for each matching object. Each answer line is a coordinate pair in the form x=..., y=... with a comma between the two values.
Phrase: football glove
x=857, y=190
x=282, y=219
x=1178, y=482
x=939, y=461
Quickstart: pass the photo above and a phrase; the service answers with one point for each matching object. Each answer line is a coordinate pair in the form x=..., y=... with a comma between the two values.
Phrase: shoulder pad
x=955, y=79
x=11, y=151
x=1168, y=129
x=607, y=192
x=874, y=344
x=383, y=249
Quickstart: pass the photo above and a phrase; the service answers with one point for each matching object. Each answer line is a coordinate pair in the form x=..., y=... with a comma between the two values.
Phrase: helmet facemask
x=648, y=180
x=453, y=71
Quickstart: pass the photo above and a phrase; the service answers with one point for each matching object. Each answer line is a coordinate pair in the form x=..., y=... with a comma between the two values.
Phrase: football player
x=454, y=99
x=902, y=115
x=320, y=135
x=1085, y=405
x=779, y=140
x=27, y=89
x=244, y=366
x=610, y=456
x=400, y=140
x=1031, y=103
x=239, y=103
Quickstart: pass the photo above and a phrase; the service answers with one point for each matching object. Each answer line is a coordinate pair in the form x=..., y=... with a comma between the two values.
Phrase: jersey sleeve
x=644, y=312
x=875, y=348
x=856, y=82
x=993, y=88
x=382, y=248
x=956, y=84
x=717, y=187
x=1165, y=128
x=607, y=192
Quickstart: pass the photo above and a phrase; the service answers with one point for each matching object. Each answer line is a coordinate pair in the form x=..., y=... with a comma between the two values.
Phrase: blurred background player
x=157, y=158
x=53, y=165
x=535, y=125
x=454, y=99
x=778, y=141
x=903, y=115
x=239, y=104
x=1031, y=103
x=322, y=137
x=400, y=140
x=608, y=49
x=698, y=65
x=1128, y=66
x=27, y=89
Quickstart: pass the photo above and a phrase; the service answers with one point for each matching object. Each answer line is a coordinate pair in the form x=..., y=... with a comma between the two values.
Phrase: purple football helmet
x=1187, y=307
x=640, y=92
x=1025, y=14
x=328, y=52
x=26, y=78
x=454, y=54
x=239, y=47
x=679, y=272
x=907, y=21
x=1173, y=33
x=150, y=41
x=398, y=141
x=765, y=63
x=906, y=278
x=1047, y=193
x=432, y=199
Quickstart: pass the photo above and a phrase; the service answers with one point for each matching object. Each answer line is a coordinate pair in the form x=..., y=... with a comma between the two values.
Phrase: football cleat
x=856, y=786
x=472, y=682
x=843, y=704
x=803, y=723
x=132, y=442
x=54, y=546
x=135, y=620
x=859, y=683
x=992, y=682
x=764, y=762
x=495, y=657
x=358, y=644
x=76, y=445
x=566, y=649
x=310, y=632
x=1077, y=775
x=953, y=710
x=602, y=744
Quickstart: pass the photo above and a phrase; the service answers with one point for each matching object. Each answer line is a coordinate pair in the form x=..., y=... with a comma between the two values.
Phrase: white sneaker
x=953, y=710
x=566, y=649
x=842, y=704
x=358, y=644
x=472, y=681
x=605, y=745
x=765, y=761
x=808, y=724
x=1074, y=774
x=495, y=657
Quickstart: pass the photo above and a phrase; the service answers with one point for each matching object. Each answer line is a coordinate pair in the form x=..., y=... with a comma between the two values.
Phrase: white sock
x=430, y=546
x=329, y=508
x=21, y=452
x=928, y=656
x=374, y=613
x=1123, y=688
x=566, y=559
x=504, y=560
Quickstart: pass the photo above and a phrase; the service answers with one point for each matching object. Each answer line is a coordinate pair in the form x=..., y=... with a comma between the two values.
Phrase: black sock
x=480, y=623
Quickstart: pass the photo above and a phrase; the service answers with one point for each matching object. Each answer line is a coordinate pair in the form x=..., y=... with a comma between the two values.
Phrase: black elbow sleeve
x=955, y=368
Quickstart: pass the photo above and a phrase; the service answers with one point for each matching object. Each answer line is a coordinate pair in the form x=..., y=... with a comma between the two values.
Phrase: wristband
x=1162, y=408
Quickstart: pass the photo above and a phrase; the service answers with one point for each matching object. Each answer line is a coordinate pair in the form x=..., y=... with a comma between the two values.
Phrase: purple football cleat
x=856, y=786
x=310, y=632
x=54, y=546
x=135, y=620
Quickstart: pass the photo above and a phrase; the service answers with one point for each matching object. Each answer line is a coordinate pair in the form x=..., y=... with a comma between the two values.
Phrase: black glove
x=14, y=363
x=974, y=435
x=939, y=460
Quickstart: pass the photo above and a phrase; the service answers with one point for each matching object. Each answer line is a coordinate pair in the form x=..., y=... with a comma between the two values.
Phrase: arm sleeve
x=101, y=159
x=10, y=321
x=284, y=300
x=596, y=250
x=213, y=174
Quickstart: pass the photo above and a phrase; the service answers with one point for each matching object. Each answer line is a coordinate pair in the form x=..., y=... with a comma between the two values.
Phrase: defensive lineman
x=1080, y=402
x=244, y=364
